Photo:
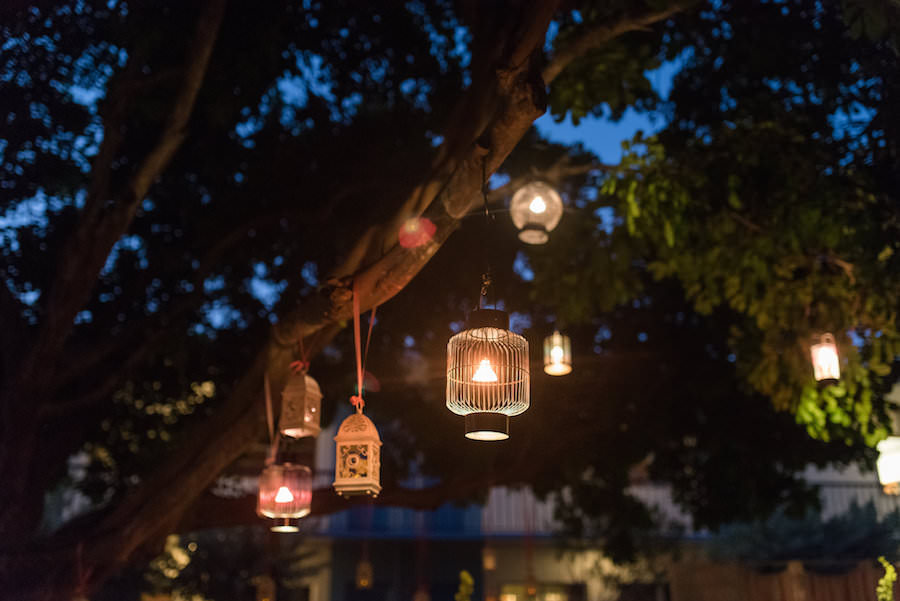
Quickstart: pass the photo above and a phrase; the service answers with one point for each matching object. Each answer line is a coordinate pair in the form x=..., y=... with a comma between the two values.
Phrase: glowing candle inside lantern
x=538, y=205
x=284, y=495
x=826, y=364
x=556, y=354
x=485, y=372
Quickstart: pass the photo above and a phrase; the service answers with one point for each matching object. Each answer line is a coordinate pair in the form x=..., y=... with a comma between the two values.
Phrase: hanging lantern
x=265, y=587
x=889, y=465
x=557, y=354
x=301, y=403
x=488, y=559
x=536, y=209
x=826, y=364
x=364, y=574
x=285, y=494
x=488, y=378
x=357, y=469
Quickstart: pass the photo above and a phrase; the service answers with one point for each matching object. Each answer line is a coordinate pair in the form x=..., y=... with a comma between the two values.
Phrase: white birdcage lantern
x=888, y=465
x=557, y=354
x=301, y=402
x=488, y=375
x=285, y=494
x=825, y=359
x=365, y=575
x=357, y=469
x=535, y=210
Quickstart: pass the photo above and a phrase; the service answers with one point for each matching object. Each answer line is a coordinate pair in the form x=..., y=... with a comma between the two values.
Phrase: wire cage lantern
x=285, y=494
x=488, y=375
x=301, y=403
x=357, y=469
x=825, y=359
x=557, y=354
x=536, y=209
x=888, y=465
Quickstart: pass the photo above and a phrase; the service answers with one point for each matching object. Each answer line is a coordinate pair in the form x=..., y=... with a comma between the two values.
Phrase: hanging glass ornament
x=365, y=575
x=488, y=378
x=557, y=354
x=358, y=462
x=301, y=403
x=825, y=360
x=285, y=494
x=535, y=210
x=888, y=465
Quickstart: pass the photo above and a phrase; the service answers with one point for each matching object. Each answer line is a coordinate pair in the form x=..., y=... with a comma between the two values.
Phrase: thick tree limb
x=600, y=34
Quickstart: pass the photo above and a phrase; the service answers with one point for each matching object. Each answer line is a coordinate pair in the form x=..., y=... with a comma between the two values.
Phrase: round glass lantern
x=557, y=354
x=357, y=468
x=889, y=465
x=301, y=403
x=285, y=494
x=535, y=210
x=488, y=378
x=825, y=360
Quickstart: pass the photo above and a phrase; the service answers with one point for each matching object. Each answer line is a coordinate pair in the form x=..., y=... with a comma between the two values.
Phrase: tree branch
x=599, y=35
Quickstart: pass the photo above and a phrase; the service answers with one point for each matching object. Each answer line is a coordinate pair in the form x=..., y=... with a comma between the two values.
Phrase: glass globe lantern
x=888, y=465
x=557, y=354
x=488, y=377
x=535, y=210
x=301, y=403
x=357, y=469
x=285, y=494
x=825, y=360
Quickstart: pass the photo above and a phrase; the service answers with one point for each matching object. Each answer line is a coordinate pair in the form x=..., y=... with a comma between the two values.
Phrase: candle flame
x=485, y=372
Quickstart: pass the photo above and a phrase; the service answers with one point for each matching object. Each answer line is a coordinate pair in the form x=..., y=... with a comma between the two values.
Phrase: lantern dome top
x=357, y=427
x=300, y=383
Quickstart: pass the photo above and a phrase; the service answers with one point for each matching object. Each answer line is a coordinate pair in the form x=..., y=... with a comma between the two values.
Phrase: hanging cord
x=270, y=421
x=486, y=277
x=82, y=575
x=357, y=399
x=302, y=364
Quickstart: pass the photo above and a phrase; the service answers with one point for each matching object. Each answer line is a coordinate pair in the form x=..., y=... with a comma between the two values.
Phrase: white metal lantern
x=889, y=464
x=285, y=494
x=301, y=403
x=826, y=364
x=488, y=377
x=536, y=209
x=357, y=469
x=557, y=354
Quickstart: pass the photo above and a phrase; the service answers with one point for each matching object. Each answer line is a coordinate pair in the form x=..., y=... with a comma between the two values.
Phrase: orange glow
x=485, y=372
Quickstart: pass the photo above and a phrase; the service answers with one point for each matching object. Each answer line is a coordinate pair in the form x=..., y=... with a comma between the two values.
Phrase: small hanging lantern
x=888, y=465
x=265, y=587
x=357, y=468
x=826, y=364
x=301, y=403
x=535, y=210
x=365, y=575
x=488, y=559
x=285, y=494
x=557, y=354
x=488, y=377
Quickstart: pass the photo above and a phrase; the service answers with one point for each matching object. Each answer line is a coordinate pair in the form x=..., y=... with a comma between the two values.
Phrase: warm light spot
x=826, y=363
x=538, y=205
x=556, y=354
x=416, y=232
x=284, y=495
x=485, y=372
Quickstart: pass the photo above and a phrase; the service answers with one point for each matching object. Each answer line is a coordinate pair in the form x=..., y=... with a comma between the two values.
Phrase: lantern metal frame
x=357, y=468
x=535, y=226
x=301, y=406
x=825, y=358
x=273, y=481
x=488, y=375
x=557, y=354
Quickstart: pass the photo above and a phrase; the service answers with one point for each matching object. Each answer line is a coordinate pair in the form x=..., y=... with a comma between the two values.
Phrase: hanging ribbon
x=301, y=366
x=357, y=399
